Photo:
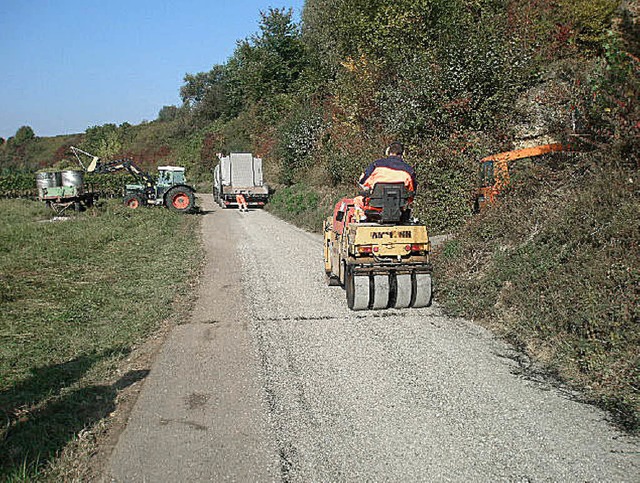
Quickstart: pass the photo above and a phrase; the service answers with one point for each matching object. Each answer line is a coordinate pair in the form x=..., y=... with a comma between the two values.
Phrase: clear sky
x=71, y=64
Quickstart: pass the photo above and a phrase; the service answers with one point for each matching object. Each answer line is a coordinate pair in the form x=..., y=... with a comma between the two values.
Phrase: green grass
x=555, y=268
x=76, y=296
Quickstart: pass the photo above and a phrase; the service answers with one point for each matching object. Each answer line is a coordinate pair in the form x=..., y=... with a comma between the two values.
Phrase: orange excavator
x=494, y=171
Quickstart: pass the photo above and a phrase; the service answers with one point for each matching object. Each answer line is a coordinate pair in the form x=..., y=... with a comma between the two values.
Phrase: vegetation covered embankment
x=555, y=268
x=77, y=296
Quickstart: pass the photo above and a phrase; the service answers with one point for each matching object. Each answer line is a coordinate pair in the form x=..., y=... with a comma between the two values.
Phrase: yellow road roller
x=379, y=256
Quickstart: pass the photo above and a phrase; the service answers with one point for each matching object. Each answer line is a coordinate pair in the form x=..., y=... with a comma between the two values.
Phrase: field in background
x=76, y=297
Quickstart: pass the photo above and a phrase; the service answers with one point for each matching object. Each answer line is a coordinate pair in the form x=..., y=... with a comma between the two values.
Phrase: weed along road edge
x=273, y=378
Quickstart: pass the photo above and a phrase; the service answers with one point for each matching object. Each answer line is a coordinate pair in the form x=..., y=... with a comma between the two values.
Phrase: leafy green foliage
x=209, y=94
x=297, y=139
x=36, y=153
x=168, y=113
x=270, y=62
x=18, y=185
x=303, y=205
x=591, y=19
x=107, y=141
x=23, y=135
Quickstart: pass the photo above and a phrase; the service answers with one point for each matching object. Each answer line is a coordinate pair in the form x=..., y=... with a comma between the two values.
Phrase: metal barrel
x=46, y=180
x=73, y=178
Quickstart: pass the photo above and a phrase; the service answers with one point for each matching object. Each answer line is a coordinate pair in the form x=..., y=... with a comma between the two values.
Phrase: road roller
x=377, y=253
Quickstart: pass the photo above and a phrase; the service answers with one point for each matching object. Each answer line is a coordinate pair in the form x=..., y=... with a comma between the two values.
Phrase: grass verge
x=77, y=296
x=555, y=268
x=304, y=206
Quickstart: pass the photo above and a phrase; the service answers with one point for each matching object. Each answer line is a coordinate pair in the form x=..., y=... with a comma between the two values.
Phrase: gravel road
x=275, y=379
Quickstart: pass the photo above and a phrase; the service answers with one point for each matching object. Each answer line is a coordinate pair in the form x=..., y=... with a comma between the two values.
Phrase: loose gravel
x=406, y=395
x=274, y=379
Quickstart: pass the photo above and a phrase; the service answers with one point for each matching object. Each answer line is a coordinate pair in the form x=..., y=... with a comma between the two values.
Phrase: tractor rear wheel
x=133, y=201
x=180, y=199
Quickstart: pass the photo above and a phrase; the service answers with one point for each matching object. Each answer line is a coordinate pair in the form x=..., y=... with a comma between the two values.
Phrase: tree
x=209, y=93
x=271, y=62
x=167, y=113
x=23, y=135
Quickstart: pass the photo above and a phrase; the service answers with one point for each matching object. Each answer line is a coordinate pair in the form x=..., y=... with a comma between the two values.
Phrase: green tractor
x=169, y=189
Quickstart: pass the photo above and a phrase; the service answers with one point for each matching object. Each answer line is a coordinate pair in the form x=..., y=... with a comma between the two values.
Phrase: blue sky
x=71, y=64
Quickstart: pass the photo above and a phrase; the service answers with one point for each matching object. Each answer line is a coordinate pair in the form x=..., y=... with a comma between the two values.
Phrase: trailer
x=239, y=173
x=61, y=190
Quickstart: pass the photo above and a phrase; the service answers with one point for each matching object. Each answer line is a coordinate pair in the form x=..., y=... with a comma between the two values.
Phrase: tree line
x=454, y=80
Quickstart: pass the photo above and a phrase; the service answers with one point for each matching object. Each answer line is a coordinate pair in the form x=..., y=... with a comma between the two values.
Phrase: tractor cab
x=170, y=175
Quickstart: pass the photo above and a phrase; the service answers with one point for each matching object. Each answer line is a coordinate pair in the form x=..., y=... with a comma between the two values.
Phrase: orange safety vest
x=389, y=170
x=240, y=200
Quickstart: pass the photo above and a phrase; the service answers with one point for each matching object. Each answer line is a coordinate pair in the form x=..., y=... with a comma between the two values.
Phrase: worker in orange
x=242, y=202
x=391, y=169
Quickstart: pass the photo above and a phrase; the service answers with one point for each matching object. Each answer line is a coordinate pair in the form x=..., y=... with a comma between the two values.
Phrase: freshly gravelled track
x=328, y=394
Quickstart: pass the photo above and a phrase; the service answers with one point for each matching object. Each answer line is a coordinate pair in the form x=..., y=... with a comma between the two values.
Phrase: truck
x=382, y=261
x=239, y=173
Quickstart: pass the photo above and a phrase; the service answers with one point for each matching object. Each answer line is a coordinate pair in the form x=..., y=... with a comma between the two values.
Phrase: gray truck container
x=239, y=173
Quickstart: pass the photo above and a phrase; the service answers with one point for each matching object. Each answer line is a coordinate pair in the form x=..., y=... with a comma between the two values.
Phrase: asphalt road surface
x=274, y=379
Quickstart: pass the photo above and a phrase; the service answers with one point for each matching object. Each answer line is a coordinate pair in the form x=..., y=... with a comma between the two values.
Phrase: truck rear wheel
x=180, y=199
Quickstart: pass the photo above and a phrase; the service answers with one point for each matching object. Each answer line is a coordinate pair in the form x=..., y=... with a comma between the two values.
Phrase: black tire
x=332, y=280
x=133, y=201
x=349, y=286
x=180, y=199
